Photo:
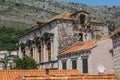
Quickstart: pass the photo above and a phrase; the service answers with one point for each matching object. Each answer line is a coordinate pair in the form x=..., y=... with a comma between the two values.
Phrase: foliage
x=9, y=37
x=25, y=63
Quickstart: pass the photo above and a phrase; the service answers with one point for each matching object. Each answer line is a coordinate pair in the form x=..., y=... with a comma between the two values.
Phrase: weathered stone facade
x=116, y=50
x=49, y=38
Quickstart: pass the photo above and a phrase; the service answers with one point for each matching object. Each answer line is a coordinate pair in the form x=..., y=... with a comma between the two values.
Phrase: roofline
x=77, y=51
x=79, y=12
x=44, y=25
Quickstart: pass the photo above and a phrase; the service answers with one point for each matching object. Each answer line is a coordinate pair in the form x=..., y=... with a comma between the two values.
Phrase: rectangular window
x=64, y=65
x=74, y=64
x=85, y=65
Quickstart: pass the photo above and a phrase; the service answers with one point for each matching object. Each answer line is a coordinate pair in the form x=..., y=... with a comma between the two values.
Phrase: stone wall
x=67, y=35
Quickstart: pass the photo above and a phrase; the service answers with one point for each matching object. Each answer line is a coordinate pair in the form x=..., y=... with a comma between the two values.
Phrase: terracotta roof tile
x=98, y=22
x=80, y=46
x=16, y=74
x=64, y=72
x=116, y=30
x=65, y=15
x=53, y=74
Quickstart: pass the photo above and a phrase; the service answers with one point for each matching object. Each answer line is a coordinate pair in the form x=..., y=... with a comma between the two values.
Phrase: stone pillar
x=52, y=48
x=79, y=64
x=20, y=54
x=90, y=64
x=42, y=52
x=37, y=54
x=60, y=65
x=33, y=52
x=68, y=64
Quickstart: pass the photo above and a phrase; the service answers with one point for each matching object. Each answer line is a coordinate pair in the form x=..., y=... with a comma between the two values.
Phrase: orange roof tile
x=76, y=77
x=65, y=15
x=16, y=74
x=80, y=46
x=64, y=72
x=116, y=30
x=53, y=74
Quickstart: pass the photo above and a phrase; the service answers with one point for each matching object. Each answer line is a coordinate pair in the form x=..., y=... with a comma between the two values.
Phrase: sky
x=96, y=2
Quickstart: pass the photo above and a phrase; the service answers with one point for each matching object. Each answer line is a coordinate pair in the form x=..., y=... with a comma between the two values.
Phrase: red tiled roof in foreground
x=16, y=74
x=53, y=75
x=80, y=46
x=76, y=77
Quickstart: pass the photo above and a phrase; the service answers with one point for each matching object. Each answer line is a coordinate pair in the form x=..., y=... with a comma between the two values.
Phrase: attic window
x=82, y=18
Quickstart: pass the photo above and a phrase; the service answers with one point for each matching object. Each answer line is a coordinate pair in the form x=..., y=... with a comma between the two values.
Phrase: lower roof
x=52, y=75
x=79, y=47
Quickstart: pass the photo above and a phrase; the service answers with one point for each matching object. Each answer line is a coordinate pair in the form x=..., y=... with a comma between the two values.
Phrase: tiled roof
x=76, y=77
x=95, y=21
x=116, y=30
x=79, y=47
x=79, y=12
x=99, y=77
x=64, y=72
x=65, y=15
x=16, y=74
x=53, y=75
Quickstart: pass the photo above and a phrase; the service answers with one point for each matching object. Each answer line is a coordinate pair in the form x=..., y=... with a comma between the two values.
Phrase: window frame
x=85, y=64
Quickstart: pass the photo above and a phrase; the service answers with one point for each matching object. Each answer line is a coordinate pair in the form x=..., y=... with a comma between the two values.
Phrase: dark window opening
x=80, y=36
x=85, y=65
x=82, y=19
x=74, y=64
x=49, y=51
x=31, y=52
x=64, y=65
x=39, y=51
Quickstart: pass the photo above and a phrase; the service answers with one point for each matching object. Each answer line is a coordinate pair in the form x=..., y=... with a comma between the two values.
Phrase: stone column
x=68, y=64
x=52, y=48
x=60, y=65
x=20, y=54
x=79, y=64
x=42, y=51
x=90, y=64
x=35, y=52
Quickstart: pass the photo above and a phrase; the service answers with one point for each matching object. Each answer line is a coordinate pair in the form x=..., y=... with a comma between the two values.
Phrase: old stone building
x=50, y=38
x=116, y=50
x=87, y=56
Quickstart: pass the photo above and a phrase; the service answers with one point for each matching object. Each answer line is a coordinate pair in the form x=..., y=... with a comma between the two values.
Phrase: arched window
x=82, y=18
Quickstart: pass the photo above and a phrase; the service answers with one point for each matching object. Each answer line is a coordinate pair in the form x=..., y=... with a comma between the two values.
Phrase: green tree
x=9, y=37
x=25, y=63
